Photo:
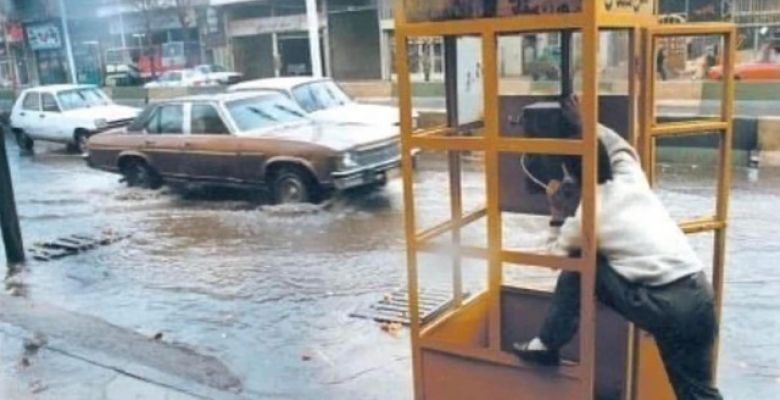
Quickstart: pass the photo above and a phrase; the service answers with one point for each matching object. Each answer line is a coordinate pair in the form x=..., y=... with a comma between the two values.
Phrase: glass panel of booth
x=535, y=73
x=688, y=78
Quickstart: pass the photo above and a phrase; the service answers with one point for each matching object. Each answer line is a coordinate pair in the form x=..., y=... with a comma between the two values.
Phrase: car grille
x=378, y=154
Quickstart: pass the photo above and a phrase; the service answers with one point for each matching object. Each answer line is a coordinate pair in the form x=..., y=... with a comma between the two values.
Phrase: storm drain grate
x=394, y=307
x=71, y=245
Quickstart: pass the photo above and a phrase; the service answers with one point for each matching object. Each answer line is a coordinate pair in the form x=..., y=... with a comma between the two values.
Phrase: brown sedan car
x=257, y=139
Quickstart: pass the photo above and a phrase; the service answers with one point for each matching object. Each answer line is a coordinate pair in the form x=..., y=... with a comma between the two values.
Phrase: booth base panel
x=453, y=376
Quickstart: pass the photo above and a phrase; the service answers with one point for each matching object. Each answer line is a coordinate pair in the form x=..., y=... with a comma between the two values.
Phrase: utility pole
x=68, y=48
x=121, y=12
x=9, y=220
x=313, y=20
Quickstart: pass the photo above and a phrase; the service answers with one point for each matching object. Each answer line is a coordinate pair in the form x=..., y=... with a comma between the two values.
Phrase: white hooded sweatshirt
x=635, y=233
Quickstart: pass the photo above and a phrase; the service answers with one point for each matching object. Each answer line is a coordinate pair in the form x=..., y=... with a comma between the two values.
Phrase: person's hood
x=335, y=136
x=357, y=113
x=110, y=112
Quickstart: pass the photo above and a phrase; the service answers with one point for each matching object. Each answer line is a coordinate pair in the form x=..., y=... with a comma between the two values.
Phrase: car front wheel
x=137, y=173
x=292, y=185
x=81, y=140
x=24, y=141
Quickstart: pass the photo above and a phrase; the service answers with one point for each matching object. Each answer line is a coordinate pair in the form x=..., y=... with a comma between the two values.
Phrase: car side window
x=206, y=120
x=49, y=104
x=141, y=122
x=31, y=102
x=170, y=119
x=167, y=120
x=152, y=124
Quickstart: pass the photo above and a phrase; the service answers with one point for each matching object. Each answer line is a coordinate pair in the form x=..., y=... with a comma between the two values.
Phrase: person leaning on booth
x=646, y=269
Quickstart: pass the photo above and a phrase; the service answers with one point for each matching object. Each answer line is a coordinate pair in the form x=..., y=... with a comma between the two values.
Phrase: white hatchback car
x=67, y=114
x=218, y=73
x=325, y=101
x=181, y=78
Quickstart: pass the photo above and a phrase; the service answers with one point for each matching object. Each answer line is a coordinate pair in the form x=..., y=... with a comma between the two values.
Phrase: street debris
x=33, y=344
x=72, y=244
x=393, y=309
x=14, y=286
x=393, y=328
x=37, y=387
x=309, y=355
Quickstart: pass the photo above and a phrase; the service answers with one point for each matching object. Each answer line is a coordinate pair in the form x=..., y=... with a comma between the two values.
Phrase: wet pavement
x=269, y=290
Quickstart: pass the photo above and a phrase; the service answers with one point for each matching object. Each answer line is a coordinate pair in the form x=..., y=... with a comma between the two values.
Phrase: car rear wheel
x=137, y=173
x=24, y=141
x=292, y=185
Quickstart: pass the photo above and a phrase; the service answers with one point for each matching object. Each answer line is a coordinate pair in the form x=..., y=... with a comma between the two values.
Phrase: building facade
x=267, y=38
x=36, y=33
x=270, y=37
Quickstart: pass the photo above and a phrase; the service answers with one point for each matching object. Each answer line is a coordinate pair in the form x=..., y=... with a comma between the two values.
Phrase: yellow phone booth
x=463, y=352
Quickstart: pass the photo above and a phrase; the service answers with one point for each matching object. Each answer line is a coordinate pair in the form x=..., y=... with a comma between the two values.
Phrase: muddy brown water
x=268, y=290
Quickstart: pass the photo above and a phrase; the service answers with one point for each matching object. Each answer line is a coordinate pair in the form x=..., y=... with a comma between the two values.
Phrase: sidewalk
x=49, y=373
x=50, y=353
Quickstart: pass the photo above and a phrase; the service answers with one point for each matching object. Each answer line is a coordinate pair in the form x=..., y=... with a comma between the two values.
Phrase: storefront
x=272, y=46
x=12, y=66
x=271, y=38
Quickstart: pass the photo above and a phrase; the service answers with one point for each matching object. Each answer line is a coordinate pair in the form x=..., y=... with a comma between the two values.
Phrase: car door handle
x=21, y=114
x=149, y=143
x=41, y=116
x=187, y=145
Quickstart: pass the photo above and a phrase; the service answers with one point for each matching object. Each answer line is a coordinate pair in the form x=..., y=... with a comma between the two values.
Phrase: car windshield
x=263, y=112
x=320, y=95
x=82, y=98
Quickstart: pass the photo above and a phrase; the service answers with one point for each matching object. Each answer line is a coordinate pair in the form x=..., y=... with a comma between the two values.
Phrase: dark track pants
x=680, y=315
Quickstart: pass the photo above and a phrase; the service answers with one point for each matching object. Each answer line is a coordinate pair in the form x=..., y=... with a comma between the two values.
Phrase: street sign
x=44, y=36
x=629, y=6
x=471, y=105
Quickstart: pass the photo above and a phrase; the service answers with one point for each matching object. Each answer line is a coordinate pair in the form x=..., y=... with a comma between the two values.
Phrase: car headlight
x=348, y=161
x=101, y=123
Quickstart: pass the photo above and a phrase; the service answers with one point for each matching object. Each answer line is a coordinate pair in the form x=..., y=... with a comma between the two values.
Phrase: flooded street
x=269, y=290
